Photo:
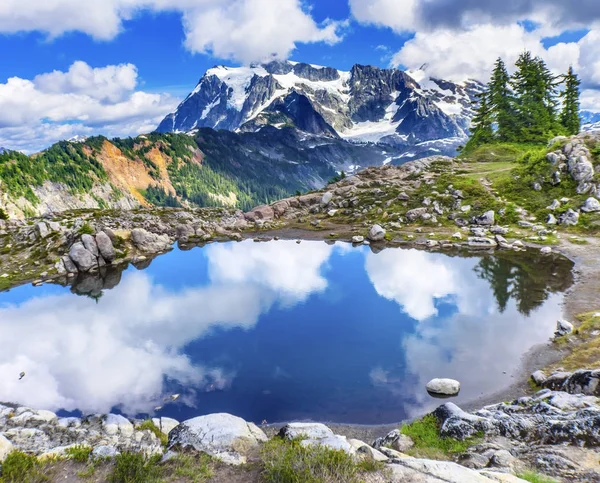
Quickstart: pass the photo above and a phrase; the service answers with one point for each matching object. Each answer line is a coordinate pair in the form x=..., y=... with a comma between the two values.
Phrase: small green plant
x=291, y=462
x=135, y=468
x=79, y=453
x=428, y=442
x=150, y=426
x=20, y=467
x=534, y=477
x=3, y=214
x=86, y=229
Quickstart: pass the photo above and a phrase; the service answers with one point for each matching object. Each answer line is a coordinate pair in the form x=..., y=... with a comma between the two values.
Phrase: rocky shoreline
x=556, y=432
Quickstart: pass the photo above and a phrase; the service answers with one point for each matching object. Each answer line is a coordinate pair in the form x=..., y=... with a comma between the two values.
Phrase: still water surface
x=278, y=331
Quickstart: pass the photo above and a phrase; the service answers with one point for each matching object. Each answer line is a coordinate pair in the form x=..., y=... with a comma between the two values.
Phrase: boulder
x=89, y=242
x=105, y=247
x=591, y=205
x=280, y=208
x=487, y=219
x=584, y=381
x=264, y=213
x=222, y=436
x=443, y=387
x=41, y=230
x=104, y=452
x=395, y=440
x=569, y=218
x=82, y=257
x=326, y=199
x=305, y=430
x=554, y=206
x=430, y=471
x=149, y=242
x=376, y=233
x=115, y=424
x=539, y=377
x=414, y=215
x=69, y=265
x=364, y=451
x=551, y=220
x=499, y=230
x=563, y=328
x=165, y=425
x=546, y=251
x=482, y=242
x=357, y=240
x=335, y=442
x=6, y=448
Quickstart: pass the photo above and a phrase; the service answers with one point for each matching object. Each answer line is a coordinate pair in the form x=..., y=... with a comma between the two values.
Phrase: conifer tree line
x=531, y=106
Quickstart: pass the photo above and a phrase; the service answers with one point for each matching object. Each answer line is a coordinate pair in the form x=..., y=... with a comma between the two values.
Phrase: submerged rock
x=443, y=387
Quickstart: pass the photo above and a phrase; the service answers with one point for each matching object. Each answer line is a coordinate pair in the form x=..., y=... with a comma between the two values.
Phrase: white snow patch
x=209, y=108
x=238, y=79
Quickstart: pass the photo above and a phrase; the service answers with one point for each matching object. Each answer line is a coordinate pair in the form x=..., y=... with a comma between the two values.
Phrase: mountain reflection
x=303, y=331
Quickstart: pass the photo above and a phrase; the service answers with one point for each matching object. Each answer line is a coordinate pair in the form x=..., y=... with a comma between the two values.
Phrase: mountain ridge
x=364, y=105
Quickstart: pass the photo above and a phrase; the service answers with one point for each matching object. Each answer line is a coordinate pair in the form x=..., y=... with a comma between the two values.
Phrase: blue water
x=278, y=331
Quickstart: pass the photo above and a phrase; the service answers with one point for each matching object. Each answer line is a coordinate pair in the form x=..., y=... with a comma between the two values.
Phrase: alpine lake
x=279, y=331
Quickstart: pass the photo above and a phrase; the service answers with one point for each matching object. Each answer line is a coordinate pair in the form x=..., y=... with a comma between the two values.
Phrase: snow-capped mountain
x=408, y=111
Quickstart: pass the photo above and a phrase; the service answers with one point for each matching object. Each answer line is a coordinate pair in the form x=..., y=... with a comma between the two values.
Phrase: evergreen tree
x=535, y=91
x=501, y=102
x=482, y=131
x=569, y=116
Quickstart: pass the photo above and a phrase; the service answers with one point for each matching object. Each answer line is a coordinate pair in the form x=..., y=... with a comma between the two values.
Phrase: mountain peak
x=365, y=104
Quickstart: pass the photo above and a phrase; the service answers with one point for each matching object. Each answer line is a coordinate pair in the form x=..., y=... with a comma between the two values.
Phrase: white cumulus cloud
x=243, y=30
x=84, y=100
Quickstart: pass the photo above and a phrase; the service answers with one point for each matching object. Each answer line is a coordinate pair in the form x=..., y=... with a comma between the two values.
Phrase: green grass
x=428, y=442
x=534, y=477
x=193, y=469
x=79, y=453
x=150, y=426
x=22, y=468
x=586, y=352
x=290, y=462
x=135, y=468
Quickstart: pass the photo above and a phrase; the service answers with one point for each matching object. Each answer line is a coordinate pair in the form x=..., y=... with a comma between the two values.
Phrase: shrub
x=290, y=462
x=20, y=467
x=79, y=453
x=135, y=468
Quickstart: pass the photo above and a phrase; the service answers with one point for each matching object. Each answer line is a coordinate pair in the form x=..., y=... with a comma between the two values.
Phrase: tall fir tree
x=535, y=92
x=482, y=131
x=501, y=102
x=569, y=116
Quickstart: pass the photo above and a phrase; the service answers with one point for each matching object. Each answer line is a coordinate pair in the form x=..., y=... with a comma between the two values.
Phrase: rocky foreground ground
x=554, y=432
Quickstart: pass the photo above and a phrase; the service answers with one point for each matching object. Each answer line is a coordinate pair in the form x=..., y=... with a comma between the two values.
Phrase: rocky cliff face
x=407, y=110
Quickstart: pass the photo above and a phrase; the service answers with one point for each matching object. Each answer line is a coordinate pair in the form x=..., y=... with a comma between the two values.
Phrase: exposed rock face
x=89, y=242
x=579, y=382
x=150, y=242
x=548, y=418
x=223, y=436
x=43, y=434
x=443, y=387
x=577, y=158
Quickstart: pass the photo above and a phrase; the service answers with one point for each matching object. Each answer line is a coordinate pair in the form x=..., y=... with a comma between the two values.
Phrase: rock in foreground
x=222, y=436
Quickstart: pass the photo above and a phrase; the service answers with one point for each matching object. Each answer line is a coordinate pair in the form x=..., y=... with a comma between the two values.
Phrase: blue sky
x=116, y=67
